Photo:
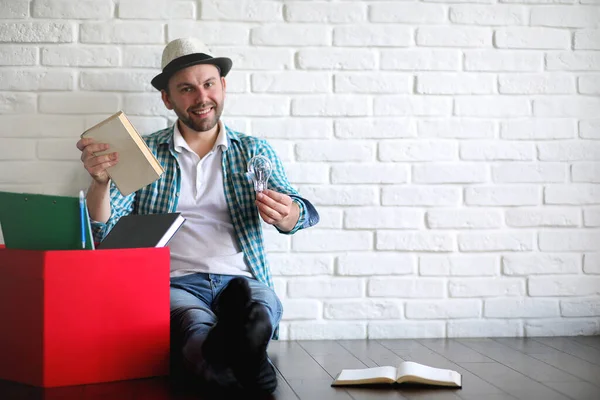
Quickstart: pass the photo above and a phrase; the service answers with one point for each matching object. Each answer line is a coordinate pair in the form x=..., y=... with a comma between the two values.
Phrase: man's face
x=197, y=95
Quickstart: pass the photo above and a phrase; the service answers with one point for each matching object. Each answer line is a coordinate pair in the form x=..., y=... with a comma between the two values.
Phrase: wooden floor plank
x=379, y=393
x=284, y=391
x=428, y=393
x=592, y=341
x=371, y=352
x=436, y=357
x=573, y=348
x=525, y=345
x=127, y=389
x=573, y=365
x=400, y=344
x=504, y=396
x=333, y=358
x=454, y=351
x=513, y=382
x=419, y=353
x=553, y=368
x=13, y=390
x=559, y=359
x=307, y=378
x=313, y=389
x=520, y=362
x=294, y=362
x=157, y=389
x=576, y=390
x=327, y=359
x=324, y=347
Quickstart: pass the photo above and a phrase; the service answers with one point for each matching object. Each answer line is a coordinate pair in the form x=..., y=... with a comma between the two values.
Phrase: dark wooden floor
x=493, y=369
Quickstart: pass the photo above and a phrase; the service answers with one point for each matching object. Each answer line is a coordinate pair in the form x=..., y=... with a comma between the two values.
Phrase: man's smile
x=202, y=111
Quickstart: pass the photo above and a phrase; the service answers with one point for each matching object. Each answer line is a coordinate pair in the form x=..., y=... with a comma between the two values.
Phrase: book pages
x=367, y=375
x=409, y=371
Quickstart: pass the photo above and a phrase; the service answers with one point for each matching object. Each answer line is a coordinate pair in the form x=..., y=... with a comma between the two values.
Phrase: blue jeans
x=192, y=317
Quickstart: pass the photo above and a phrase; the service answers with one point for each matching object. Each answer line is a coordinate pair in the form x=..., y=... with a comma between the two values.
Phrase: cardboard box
x=83, y=316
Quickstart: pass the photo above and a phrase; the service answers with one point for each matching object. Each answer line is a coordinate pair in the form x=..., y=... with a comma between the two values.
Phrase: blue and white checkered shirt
x=162, y=195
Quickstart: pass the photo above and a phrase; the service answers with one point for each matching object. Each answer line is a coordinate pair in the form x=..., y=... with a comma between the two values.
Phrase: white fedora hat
x=183, y=53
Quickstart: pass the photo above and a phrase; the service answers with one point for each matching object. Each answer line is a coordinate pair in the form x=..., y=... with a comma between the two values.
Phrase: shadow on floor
x=139, y=389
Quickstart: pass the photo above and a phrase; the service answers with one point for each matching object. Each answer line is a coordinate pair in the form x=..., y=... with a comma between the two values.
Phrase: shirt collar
x=179, y=142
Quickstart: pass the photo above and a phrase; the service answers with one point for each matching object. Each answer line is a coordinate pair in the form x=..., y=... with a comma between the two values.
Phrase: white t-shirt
x=206, y=242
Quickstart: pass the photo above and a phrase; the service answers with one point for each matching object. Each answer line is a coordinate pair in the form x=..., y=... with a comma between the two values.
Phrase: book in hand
x=142, y=230
x=406, y=372
x=137, y=166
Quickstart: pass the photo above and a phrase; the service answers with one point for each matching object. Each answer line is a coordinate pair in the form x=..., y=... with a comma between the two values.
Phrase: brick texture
x=452, y=147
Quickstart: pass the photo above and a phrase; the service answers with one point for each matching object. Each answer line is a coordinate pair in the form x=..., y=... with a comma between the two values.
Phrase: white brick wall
x=451, y=146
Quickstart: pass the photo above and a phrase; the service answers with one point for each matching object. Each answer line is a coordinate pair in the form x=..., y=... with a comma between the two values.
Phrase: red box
x=83, y=316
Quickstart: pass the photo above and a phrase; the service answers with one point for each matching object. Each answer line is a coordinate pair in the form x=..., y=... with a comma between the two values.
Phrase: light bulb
x=259, y=170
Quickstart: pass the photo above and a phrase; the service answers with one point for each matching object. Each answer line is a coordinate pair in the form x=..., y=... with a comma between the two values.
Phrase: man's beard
x=205, y=124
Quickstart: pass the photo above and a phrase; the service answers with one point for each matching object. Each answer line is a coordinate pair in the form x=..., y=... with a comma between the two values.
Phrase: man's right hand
x=96, y=165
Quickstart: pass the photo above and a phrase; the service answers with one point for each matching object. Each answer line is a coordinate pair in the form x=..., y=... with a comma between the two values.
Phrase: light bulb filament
x=259, y=170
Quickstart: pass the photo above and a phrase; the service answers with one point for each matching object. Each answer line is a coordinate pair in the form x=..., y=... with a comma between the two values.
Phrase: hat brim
x=161, y=80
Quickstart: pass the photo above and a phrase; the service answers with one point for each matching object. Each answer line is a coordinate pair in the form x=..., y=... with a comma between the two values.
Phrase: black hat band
x=177, y=63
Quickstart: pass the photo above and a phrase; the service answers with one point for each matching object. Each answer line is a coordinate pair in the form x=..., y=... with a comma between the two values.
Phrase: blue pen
x=82, y=217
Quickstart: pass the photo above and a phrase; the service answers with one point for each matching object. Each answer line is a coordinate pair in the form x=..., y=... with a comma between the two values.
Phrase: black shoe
x=252, y=367
x=231, y=309
x=239, y=339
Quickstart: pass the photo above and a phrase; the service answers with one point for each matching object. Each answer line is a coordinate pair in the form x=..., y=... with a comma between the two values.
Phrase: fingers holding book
x=95, y=158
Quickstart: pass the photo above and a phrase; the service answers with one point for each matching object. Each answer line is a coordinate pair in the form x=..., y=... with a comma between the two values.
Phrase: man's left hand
x=277, y=209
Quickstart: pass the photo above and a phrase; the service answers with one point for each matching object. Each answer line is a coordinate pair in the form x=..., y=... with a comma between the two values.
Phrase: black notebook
x=147, y=230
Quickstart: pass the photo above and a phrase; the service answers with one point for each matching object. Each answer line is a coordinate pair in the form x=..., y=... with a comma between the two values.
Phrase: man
x=223, y=307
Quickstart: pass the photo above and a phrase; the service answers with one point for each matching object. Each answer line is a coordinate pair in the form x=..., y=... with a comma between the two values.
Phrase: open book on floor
x=142, y=230
x=406, y=372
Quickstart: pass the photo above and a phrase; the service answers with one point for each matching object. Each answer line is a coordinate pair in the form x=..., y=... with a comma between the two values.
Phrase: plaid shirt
x=162, y=195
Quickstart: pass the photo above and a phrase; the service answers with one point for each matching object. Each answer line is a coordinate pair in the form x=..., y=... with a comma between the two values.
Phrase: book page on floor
x=405, y=372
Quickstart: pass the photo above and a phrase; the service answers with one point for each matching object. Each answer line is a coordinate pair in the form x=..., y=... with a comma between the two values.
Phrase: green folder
x=43, y=222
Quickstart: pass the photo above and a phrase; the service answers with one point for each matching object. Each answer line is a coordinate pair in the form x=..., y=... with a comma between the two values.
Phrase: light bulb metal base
x=259, y=186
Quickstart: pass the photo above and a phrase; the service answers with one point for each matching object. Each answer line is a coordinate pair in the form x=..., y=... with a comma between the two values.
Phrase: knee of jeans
x=269, y=299
x=279, y=311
